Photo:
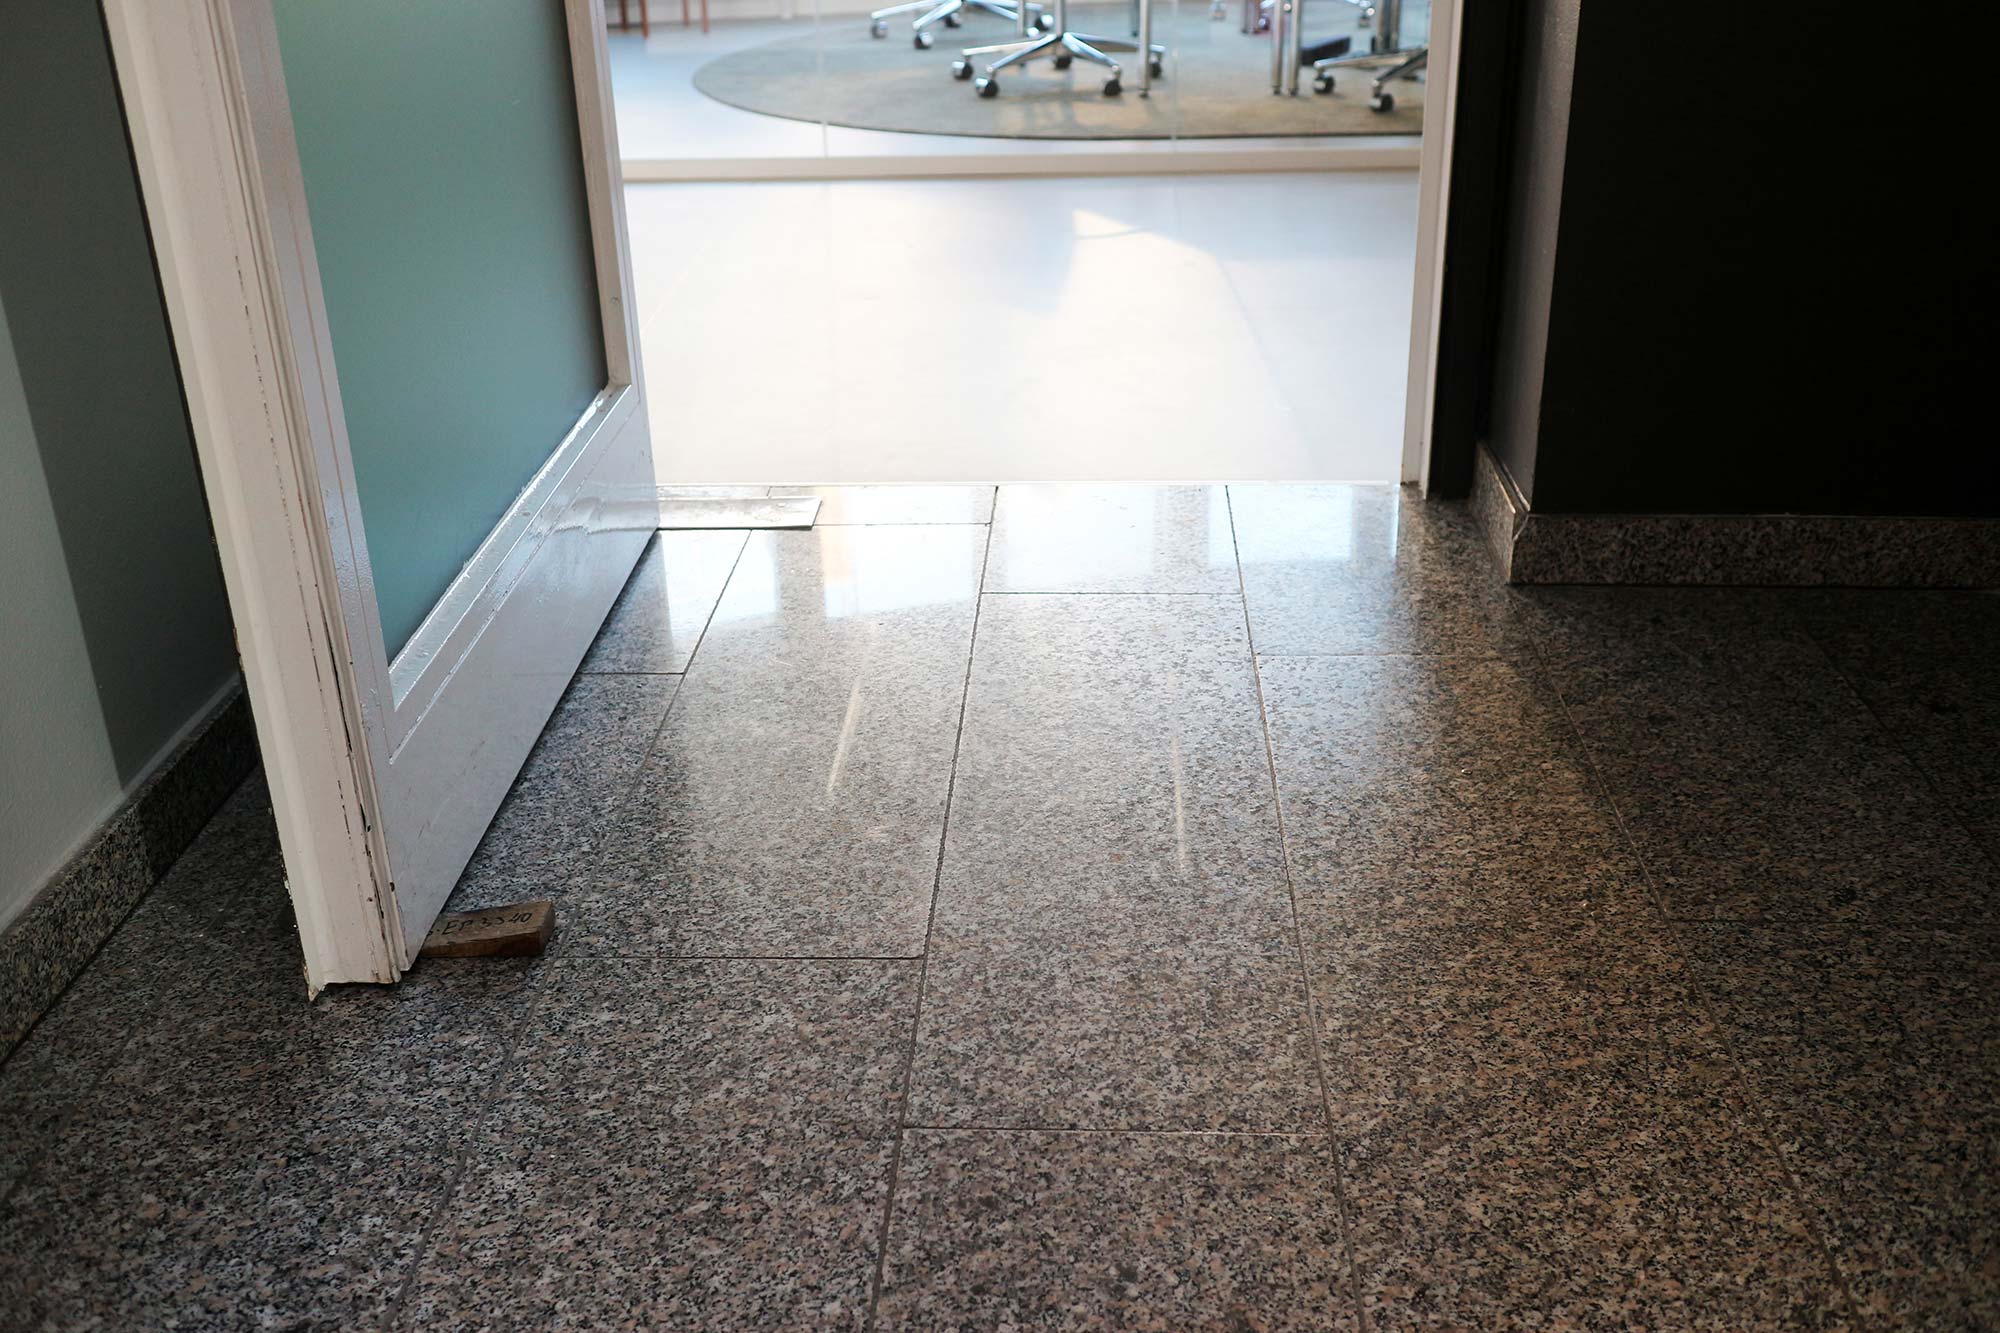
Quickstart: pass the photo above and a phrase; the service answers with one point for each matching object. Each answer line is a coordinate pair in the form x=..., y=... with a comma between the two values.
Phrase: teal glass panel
x=444, y=180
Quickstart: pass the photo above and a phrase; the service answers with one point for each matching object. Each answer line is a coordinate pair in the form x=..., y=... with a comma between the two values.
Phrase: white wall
x=114, y=630
x=58, y=779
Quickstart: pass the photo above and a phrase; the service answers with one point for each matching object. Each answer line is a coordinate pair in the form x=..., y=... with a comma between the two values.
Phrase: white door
x=417, y=558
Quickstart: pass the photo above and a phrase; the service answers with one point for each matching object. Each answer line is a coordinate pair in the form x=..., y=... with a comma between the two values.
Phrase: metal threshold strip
x=729, y=511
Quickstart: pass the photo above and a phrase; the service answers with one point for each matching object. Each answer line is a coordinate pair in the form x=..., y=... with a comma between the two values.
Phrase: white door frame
x=1433, y=204
x=383, y=774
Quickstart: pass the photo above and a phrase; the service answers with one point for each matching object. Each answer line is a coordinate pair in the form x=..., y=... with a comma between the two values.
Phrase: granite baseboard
x=42, y=952
x=1498, y=508
x=1730, y=550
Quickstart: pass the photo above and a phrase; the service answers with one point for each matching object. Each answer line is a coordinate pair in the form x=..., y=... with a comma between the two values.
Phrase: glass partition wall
x=782, y=80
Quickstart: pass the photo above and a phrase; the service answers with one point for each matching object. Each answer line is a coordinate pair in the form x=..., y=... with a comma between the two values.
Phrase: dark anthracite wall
x=1773, y=269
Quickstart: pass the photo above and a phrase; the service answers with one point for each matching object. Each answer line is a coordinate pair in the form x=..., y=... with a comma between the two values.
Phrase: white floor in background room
x=1248, y=327
x=661, y=114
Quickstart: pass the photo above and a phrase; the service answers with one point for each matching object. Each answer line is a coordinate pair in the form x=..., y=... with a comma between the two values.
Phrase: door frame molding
x=180, y=70
x=347, y=733
x=1433, y=207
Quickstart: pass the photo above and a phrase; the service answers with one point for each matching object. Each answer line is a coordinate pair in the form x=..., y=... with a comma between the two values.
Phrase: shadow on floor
x=1130, y=908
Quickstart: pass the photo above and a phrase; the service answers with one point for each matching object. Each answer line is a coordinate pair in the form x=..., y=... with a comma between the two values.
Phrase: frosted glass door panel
x=444, y=179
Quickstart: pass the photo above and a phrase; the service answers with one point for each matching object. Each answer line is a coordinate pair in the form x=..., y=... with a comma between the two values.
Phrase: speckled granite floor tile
x=1115, y=1232
x=259, y=1162
x=1928, y=665
x=1114, y=949
x=31, y=1123
x=1537, y=1124
x=1133, y=539
x=757, y=1229
x=223, y=902
x=658, y=619
x=695, y=1047
x=796, y=798
x=219, y=919
x=552, y=827
x=219, y=923
x=1368, y=569
x=841, y=505
x=1544, y=1131
x=1753, y=782
x=1552, y=1106
x=1423, y=792
x=1876, y=1056
x=688, y=1145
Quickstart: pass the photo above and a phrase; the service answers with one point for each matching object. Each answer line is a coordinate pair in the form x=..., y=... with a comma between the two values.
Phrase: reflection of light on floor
x=1089, y=226
x=1319, y=527
x=855, y=571
x=1221, y=531
x=975, y=331
x=1056, y=528
x=753, y=588
x=1124, y=532
x=886, y=569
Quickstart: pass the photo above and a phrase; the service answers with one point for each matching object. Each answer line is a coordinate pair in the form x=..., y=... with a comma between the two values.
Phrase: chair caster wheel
x=922, y=41
x=961, y=69
x=987, y=87
x=1112, y=87
x=1156, y=67
x=1382, y=102
x=951, y=20
x=1061, y=62
x=1323, y=84
x=878, y=29
x=1046, y=23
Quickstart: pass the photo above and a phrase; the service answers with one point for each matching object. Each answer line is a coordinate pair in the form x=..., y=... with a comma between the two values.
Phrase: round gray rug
x=1217, y=83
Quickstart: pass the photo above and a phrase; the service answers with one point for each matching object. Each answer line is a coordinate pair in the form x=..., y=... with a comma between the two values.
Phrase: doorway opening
x=879, y=278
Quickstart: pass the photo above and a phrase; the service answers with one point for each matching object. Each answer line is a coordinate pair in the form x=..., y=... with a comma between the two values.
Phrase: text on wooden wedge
x=512, y=931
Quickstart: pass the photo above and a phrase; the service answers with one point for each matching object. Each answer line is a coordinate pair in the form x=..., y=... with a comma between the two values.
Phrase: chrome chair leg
x=1402, y=62
x=947, y=12
x=1062, y=46
x=932, y=12
x=1009, y=53
x=878, y=22
x=1404, y=65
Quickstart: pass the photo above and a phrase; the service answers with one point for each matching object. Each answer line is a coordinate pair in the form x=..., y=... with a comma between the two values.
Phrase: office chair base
x=1405, y=65
x=1062, y=49
x=932, y=12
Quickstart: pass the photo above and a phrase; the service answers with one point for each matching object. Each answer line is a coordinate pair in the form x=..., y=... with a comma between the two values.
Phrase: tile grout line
x=679, y=678
x=709, y=620
x=1298, y=935
x=930, y=924
x=1922, y=770
x=1771, y=1142
x=1134, y=1132
x=737, y=958
x=631, y=787
x=1453, y=654
x=393, y=1312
